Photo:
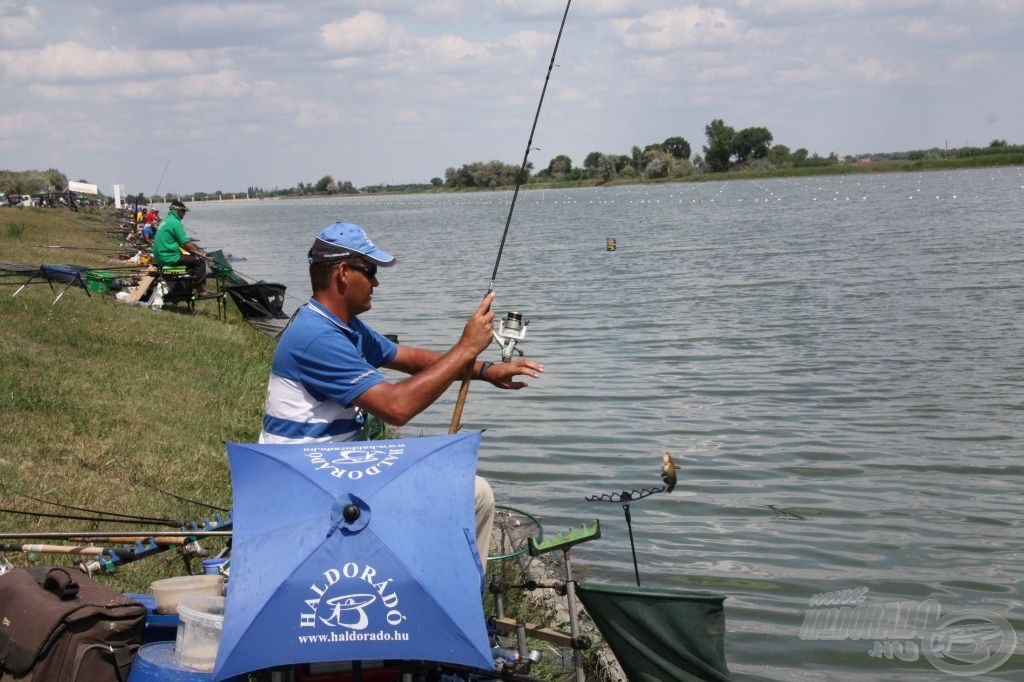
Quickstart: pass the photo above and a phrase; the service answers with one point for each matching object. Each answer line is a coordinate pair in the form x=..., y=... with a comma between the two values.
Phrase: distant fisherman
x=326, y=365
x=169, y=241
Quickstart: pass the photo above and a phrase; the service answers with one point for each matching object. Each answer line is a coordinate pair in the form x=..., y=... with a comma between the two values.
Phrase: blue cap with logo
x=346, y=240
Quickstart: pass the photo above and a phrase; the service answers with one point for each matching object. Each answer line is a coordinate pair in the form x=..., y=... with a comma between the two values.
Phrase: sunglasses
x=368, y=269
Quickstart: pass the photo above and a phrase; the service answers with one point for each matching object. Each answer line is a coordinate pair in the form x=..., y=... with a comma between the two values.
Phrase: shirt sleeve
x=338, y=367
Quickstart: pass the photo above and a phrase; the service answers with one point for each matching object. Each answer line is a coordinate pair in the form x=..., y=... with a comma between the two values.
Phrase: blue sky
x=228, y=95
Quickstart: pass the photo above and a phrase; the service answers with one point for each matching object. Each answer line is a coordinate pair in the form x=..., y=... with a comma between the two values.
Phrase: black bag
x=62, y=626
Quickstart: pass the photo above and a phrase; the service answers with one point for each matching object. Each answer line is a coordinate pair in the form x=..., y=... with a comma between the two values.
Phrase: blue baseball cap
x=346, y=240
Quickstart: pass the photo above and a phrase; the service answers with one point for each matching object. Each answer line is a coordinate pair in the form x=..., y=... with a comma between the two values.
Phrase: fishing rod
x=72, y=517
x=114, y=515
x=513, y=327
x=161, y=181
x=91, y=550
x=118, y=535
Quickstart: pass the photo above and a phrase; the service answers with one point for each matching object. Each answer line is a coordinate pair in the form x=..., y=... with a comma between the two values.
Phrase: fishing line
x=529, y=147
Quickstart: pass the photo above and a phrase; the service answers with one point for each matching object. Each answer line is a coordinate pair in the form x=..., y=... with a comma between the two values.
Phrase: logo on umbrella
x=348, y=603
x=340, y=610
x=354, y=462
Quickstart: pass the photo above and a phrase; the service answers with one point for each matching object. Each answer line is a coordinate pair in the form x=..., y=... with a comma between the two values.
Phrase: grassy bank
x=100, y=400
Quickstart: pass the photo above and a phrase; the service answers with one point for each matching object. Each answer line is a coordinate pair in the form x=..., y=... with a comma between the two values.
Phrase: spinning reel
x=511, y=332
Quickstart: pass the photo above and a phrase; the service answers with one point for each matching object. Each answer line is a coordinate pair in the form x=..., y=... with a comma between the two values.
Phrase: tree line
x=726, y=150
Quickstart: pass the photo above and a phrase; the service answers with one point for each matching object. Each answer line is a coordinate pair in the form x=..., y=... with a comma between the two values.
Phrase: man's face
x=360, y=280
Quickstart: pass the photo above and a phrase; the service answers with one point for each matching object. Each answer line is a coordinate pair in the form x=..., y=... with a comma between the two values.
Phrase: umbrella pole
x=632, y=545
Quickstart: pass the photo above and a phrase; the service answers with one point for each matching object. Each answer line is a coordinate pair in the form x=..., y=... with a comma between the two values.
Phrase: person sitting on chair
x=169, y=242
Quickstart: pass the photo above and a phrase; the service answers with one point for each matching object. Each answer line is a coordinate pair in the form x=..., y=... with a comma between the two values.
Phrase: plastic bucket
x=214, y=566
x=155, y=663
x=200, y=620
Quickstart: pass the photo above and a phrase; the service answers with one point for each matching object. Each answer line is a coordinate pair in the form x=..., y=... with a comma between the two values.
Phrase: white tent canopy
x=83, y=187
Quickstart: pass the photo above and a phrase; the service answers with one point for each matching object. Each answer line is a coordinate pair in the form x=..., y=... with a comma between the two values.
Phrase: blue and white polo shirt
x=320, y=366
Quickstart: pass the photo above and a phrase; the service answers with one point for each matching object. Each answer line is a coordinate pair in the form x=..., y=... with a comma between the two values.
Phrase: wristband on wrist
x=484, y=366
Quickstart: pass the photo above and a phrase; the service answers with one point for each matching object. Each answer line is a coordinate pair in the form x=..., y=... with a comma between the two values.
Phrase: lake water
x=837, y=364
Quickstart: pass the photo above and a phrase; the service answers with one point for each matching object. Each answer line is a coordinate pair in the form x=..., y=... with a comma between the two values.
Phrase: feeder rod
x=50, y=549
x=121, y=535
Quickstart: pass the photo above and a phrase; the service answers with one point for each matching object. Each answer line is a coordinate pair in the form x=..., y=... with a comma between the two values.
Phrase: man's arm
x=397, y=403
x=413, y=360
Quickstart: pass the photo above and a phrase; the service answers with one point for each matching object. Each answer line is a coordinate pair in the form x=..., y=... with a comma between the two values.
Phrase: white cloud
x=365, y=33
x=930, y=28
x=234, y=17
x=19, y=26
x=442, y=10
x=880, y=72
x=71, y=62
x=971, y=61
x=680, y=28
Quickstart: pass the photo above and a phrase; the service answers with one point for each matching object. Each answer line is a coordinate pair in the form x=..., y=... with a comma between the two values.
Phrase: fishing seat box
x=59, y=625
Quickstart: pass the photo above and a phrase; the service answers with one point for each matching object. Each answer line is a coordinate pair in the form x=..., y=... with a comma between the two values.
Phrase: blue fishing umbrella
x=362, y=550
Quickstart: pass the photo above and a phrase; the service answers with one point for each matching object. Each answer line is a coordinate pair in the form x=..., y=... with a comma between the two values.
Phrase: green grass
x=98, y=398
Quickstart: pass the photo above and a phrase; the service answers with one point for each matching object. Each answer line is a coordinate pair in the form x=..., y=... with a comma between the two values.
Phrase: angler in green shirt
x=171, y=239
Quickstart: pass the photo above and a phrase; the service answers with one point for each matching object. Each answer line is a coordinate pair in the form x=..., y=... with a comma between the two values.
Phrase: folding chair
x=179, y=287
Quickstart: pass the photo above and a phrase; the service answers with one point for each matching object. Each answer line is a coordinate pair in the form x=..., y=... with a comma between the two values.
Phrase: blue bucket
x=155, y=663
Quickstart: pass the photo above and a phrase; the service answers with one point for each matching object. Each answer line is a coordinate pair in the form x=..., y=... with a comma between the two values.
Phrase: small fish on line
x=668, y=471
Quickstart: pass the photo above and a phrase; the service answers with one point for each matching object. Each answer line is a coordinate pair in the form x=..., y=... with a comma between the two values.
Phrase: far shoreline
x=841, y=169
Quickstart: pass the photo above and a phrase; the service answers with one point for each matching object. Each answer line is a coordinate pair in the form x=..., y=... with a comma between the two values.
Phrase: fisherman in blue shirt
x=325, y=371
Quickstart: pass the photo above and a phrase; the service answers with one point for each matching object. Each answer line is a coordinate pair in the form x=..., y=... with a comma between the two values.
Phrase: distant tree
x=659, y=163
x=779, y=155
x=751, y=143
x=484, y=175
x=607, y=167
x=799, y=157
x=719, y=149
x=323, y=183
x=627, y=172
x=592, y=161
x=677, y=147
x=637, y=156
x=998, y=144
x=436, y=182
x=560, y=167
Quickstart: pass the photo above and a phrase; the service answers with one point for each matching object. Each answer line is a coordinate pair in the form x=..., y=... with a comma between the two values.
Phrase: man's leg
x=484, y=498
x=196, y=268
